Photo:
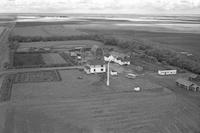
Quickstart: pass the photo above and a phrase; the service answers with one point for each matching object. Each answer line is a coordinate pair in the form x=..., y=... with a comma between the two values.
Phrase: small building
x=167, y=72
x=184, y=83
x=95, y=66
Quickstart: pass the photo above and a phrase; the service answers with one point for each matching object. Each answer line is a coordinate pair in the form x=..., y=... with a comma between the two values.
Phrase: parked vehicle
x=113, y=73
x=131, y=76
x=137, y=89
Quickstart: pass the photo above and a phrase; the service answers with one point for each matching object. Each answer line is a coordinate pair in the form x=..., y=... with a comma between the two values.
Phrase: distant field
x=47, y=30
x=61, y=44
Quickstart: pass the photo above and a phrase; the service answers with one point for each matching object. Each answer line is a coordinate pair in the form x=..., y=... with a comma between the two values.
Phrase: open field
x=87, y=105
x=61, y=44
x=37, y=76
x=48, y=30
x=53, y=58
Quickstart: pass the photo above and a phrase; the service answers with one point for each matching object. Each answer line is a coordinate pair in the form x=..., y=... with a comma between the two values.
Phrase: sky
x=100, y=6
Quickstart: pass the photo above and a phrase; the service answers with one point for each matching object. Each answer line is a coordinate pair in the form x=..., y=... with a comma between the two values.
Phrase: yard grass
x=28, y=59
x=82, y=106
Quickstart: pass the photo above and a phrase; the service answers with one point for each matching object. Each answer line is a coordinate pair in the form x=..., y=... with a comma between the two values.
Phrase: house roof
x=184, y=82
x=96, y=62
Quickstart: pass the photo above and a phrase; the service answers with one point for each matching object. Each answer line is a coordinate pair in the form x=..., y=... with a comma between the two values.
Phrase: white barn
x=95, y=66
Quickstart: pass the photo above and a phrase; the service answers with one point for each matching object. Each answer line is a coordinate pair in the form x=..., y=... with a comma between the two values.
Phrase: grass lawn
x=87, y=105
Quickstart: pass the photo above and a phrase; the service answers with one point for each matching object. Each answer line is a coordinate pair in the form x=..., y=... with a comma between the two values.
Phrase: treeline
x=148, y=52
x=52, y=38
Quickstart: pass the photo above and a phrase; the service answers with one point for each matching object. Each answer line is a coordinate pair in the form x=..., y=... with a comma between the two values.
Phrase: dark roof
x=96, y=62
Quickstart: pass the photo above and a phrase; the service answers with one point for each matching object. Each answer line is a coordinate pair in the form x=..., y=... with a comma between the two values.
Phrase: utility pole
x=108, y=74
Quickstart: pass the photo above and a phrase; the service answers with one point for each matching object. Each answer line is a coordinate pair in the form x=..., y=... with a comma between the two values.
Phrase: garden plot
x=37, y=76
x=53, y=58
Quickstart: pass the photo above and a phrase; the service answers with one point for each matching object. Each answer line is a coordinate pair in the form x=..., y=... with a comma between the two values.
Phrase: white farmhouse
x=95, y=66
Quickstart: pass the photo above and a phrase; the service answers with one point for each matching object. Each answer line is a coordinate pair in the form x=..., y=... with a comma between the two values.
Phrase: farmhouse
x=95, y=66
x=184, y=83
x=167, y=72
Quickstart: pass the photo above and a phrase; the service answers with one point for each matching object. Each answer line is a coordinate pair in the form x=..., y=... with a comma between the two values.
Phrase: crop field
x=85, y=106
x=37, y=76
x=61, y=44
x=48, y=30
x=31, y=59
x=53, y=58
